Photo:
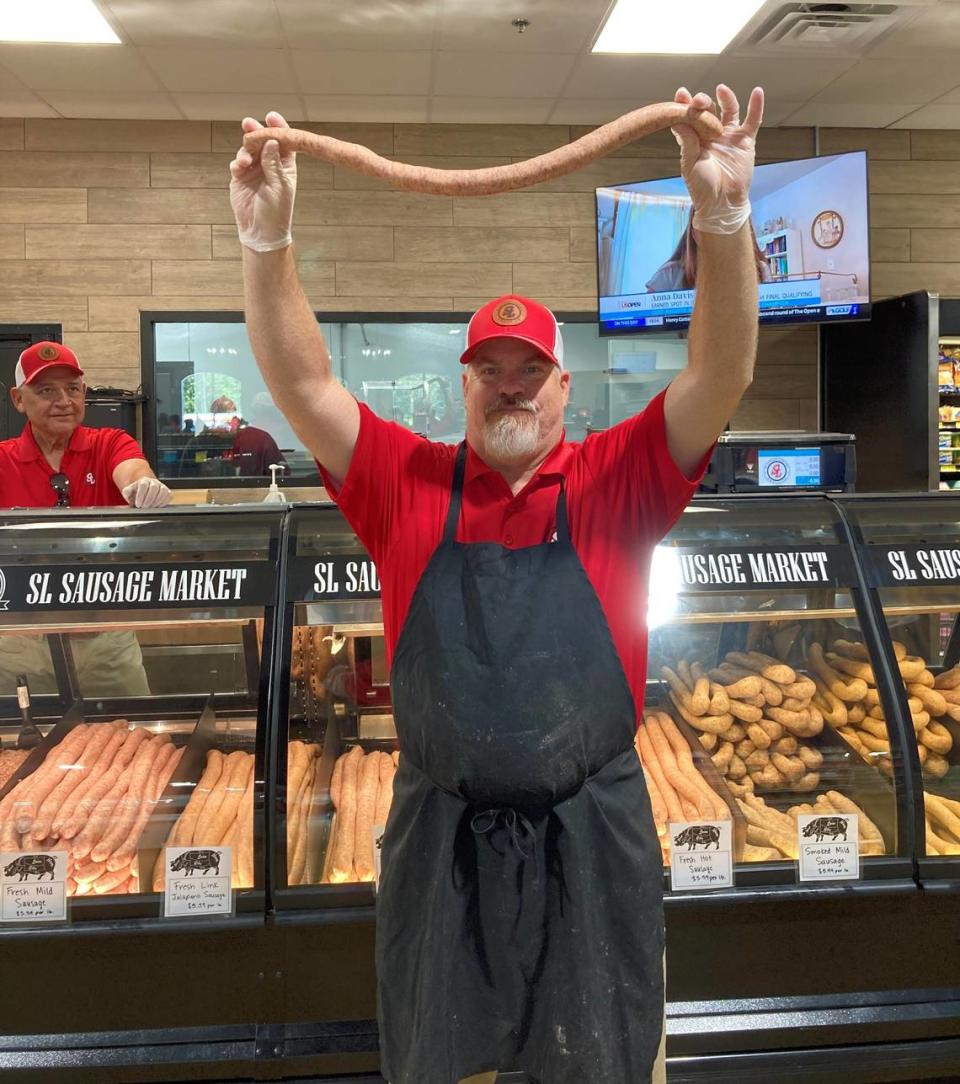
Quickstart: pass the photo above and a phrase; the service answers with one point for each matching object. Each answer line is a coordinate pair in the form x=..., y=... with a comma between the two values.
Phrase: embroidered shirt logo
x=90, y=480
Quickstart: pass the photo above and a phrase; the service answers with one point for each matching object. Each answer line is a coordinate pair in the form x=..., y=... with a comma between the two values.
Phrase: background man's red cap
x=38, y=358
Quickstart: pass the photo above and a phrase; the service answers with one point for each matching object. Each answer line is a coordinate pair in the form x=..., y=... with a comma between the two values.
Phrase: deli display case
x=135, y=654
x=911, y=556
x=786, y=679
x=770, y=694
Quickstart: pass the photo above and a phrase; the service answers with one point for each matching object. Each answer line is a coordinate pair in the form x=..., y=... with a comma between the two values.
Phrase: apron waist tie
x=517, y=825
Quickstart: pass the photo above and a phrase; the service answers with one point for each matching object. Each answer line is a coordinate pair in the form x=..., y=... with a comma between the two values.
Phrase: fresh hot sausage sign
x=104, y=587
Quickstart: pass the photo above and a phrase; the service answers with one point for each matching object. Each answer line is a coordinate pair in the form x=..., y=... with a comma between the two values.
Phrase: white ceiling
x=462, y=61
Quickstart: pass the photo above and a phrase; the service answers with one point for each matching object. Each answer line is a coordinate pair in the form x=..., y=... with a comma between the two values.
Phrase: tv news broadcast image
x=810, y=224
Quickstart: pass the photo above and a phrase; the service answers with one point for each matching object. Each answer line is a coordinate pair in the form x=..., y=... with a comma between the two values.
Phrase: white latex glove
x=146, y=493
x=262, y=191
x=718, y=173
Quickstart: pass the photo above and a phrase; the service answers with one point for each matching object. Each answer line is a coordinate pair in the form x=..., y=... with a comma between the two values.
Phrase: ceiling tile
x=794, y=79
x=127, y=106
x=490, y=110
x=934, y=27
x=395, y=108
x=189, y=22
x=466, y=74
x=870, y=82
x=827, y=115
x=775, y=112
x=8, y=81
x=952, y=97
x=931, y=116
x=21, y=103
x=556, y=26
x=77, y=67
x=217, y=70
x=602, y=110
x=590, y=111
x=372, y=25
x=236, y=106
x=642, y=78
x=358, y=72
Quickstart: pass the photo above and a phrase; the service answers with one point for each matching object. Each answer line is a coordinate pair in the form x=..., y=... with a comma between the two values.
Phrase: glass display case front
x=758, y=659
x=340, y=749
x=761, y=700
x=133, y=678
x=912, y=558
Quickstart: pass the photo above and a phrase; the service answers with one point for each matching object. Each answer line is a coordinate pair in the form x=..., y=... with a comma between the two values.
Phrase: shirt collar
x=555, y=465
x=27, y=449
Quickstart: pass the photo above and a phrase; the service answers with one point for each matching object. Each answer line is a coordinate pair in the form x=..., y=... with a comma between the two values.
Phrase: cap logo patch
x=48, y=353
x=509, y=313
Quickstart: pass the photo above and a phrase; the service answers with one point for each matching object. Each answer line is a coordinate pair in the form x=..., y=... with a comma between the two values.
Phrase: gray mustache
x=511, y=404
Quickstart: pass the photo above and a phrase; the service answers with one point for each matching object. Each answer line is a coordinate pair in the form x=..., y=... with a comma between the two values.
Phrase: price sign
x=33, y=886
x=197, y=881
x=701, y=855
x=829, y=847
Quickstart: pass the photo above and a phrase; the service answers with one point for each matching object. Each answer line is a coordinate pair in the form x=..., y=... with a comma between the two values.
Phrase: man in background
x=57, y=461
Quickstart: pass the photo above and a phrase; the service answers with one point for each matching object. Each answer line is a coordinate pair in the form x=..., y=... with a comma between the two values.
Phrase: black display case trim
x=912, y=565
x=32, y=588
x=729, y=568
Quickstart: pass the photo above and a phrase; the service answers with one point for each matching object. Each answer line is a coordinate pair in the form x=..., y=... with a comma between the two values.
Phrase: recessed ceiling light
x=637, y=26
x=74, y=21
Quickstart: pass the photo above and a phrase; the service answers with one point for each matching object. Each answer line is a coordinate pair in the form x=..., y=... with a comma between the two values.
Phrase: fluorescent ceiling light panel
x=73, y=21
x=653, y=26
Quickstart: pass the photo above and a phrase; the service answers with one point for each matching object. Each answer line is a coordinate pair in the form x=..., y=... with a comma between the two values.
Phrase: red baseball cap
x=38, y=358
x=515, y=317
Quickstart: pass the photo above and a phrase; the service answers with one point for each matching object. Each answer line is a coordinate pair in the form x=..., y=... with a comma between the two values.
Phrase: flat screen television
x=811, y=224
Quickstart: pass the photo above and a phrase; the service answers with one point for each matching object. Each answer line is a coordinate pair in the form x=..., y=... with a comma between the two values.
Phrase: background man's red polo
x=623, y=493
x=89, y=462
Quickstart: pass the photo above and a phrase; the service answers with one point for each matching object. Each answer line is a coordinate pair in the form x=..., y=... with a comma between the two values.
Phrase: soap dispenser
x=274, y=494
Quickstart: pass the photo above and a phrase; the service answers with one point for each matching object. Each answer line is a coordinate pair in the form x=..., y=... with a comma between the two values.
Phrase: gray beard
x=511, y=436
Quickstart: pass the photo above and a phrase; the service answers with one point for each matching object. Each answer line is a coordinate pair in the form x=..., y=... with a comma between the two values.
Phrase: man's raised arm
x=285, y=336
x=722, y=345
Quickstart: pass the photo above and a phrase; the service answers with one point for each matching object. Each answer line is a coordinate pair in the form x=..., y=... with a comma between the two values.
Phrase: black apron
x=519, y=917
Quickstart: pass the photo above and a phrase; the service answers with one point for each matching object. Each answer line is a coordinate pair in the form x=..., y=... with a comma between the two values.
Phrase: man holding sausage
x=519, y=916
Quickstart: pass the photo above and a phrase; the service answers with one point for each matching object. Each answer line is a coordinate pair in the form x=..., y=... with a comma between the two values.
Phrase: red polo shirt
x=624, y=491
x=89, y=462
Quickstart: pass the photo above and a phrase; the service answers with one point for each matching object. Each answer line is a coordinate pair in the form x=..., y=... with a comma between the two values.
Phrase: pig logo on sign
x=201, y=860
x=698, y=833
x=31, y=865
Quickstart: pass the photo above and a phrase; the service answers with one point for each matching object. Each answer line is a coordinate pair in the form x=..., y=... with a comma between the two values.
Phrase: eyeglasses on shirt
x=60, y=484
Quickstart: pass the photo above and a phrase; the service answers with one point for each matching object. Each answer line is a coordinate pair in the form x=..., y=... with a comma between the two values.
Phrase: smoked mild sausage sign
x=28, y=588
x=714, y=568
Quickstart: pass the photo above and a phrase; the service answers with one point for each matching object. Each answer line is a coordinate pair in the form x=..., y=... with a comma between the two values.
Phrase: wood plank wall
x=101, y=219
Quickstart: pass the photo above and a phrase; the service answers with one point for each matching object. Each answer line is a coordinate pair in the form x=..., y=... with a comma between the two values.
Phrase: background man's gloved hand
x=718, y=173
x=262, y=191
x=146, y=493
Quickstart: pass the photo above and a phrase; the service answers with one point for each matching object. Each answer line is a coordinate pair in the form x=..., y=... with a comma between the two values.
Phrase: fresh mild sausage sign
x=829, y=846
x=33, y=886
x=701, y=855
x=197, y=881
